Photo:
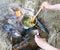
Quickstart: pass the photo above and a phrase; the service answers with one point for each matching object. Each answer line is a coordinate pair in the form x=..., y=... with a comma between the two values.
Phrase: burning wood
x=11, y=24
x=18, y=12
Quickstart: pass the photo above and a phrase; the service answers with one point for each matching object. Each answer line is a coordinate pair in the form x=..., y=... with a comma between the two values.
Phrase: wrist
x=50, y=7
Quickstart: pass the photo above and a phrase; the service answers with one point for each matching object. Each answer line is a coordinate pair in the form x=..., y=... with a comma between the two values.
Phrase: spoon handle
x=38, y=12
x=33, y=18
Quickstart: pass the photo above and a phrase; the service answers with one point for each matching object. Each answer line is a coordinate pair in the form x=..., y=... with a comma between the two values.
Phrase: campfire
x=14, y=28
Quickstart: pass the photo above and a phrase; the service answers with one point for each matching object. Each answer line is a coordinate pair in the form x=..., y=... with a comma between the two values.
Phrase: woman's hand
x=40, y=41
x=43, y=44
x=45, y=5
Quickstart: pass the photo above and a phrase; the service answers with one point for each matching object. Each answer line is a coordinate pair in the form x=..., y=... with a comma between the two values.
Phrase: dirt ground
x=50, y=17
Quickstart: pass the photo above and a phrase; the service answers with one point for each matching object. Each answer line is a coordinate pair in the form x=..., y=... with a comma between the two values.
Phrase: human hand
x=45, y=5
x=39, y=40
x=43, y=44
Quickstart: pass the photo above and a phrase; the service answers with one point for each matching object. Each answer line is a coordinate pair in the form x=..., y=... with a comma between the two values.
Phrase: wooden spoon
x=33, y=18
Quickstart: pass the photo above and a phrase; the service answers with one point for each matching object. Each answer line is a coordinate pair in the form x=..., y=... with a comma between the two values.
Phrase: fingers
x=37, y=39
x=37, y=36
x=45, y=5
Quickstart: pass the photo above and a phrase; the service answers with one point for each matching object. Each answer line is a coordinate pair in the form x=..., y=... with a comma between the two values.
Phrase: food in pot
x=27, y=22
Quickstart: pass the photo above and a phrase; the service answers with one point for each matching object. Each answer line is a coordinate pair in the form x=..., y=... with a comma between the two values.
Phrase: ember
x=18, y=13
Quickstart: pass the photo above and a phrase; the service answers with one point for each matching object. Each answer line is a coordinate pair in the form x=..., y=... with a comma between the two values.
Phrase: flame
x=18, y=13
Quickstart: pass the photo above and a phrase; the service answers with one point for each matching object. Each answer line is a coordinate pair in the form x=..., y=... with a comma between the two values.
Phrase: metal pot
x=37, y=23
x=25, y=26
